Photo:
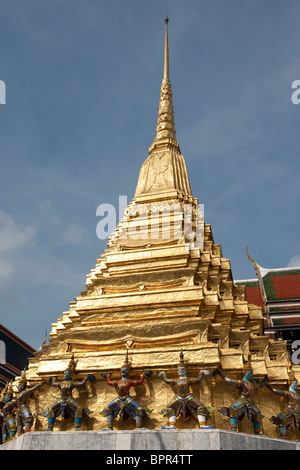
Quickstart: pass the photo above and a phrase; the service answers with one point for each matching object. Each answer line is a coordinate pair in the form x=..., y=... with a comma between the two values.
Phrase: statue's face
x=67, y=375
x=124, y=372
x=7, y=398
x=21, y=387
x=294, y=386
x=249, y=375
x=181, y=371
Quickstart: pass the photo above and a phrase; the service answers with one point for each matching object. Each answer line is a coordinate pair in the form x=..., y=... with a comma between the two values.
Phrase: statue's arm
x=140, y=381
x=53, y=381
x=9, y=407
x=22, y=397
x=229, y=380
x=82, y=382
x=34, y=388
x=163, y=375
x=89, y=377
x=199, y=378
x=281, y=393
x=107, y=376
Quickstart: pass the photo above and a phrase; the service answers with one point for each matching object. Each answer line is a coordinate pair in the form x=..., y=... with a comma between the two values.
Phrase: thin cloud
x=294, y=262
x=14, y=236
x=73, y=235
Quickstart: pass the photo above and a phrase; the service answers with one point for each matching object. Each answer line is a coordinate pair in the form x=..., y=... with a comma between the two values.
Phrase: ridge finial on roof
x=263, y=297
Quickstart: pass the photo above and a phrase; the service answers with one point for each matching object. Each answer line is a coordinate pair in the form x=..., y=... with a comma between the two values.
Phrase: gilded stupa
x=162, y=286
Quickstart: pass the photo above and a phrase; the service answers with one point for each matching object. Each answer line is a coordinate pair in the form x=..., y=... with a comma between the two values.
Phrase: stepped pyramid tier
x=162, y=286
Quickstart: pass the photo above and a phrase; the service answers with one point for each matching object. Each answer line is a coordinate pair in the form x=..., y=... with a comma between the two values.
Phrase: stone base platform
x=145, y=440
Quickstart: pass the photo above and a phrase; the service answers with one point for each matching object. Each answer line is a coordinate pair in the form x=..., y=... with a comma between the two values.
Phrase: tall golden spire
x=166, y=58
x=165, y=128
x=164, y=173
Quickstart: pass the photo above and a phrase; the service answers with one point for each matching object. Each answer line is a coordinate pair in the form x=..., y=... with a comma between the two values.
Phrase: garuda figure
x=292, y=411
x=24, y=418
x=9, y=427
x=184, y=402
x=124, y=404
x=244, y=404
x=67, y=406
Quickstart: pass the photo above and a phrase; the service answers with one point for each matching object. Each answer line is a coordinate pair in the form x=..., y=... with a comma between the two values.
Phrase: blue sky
x=82, y=87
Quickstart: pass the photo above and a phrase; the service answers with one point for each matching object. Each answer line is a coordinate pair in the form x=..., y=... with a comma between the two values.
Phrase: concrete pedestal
x=164, y=440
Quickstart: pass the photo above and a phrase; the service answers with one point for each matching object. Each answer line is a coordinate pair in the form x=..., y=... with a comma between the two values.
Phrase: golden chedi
x=162, y=286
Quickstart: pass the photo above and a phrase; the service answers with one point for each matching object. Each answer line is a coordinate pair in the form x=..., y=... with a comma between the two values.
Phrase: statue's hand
x=105, y=374
x=52, y=379
x=148, y=373
x=206, y=372
x=160, y=374
x=91, y=377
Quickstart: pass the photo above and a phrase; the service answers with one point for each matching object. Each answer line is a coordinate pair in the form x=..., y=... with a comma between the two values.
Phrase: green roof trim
x=284, y=309
x=285, y=272
x=277, y=321
x=248, y=283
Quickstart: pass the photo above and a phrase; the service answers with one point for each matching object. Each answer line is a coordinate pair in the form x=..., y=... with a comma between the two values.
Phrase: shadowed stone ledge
x=171, y=440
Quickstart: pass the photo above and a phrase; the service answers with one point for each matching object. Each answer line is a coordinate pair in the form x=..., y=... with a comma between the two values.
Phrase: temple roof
x=281, y=289
x=279, y=284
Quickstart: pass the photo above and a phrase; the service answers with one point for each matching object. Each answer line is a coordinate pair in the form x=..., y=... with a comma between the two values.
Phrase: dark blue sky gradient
x=83, y=80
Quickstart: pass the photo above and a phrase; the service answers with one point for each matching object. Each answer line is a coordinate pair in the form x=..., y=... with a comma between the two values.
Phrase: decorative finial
x=166, y=58
x=72, y=365
x=263, y=298
x=250, y=259
x=3, y=392
x=165, y=128
x=248, y=366
x=23, y=379
x=44, y=342
x=181, y=359
x=126, y=361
